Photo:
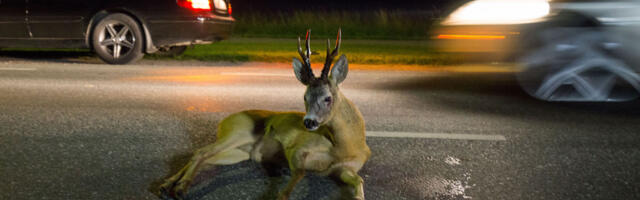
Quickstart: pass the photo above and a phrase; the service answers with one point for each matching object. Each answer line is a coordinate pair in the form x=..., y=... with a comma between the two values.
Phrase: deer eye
x=327, y=99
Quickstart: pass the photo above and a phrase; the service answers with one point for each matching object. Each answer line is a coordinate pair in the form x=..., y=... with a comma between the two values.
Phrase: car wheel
x=576, y=64
x=117, y=39
x=172, y=51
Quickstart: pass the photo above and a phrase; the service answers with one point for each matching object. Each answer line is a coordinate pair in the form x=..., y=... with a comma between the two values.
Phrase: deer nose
x=310, y=124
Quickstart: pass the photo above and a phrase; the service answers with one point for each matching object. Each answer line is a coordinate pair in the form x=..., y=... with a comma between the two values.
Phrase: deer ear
x=340, y=70
x=298, y=70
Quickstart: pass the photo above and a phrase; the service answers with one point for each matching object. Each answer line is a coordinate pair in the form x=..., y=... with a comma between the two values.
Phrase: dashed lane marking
x=17, y=69
x=255, y=74
x=449, y=136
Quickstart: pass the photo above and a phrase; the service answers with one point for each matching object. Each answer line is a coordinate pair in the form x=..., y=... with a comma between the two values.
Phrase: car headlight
x=499, y=12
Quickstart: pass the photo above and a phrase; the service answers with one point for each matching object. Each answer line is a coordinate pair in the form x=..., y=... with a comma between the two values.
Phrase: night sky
x=242, y=6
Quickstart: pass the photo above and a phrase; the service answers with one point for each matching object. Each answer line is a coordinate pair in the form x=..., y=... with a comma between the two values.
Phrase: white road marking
x=17, y=69
x=255, y=74
x=449, y=136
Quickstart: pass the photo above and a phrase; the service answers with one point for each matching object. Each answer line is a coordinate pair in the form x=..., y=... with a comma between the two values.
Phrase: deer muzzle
x=311, y=124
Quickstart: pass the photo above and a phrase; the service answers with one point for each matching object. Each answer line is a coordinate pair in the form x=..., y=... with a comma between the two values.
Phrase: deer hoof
x=165, y=190
x=173, y=190
x=282, y=197
x=359, y=196
x=180, y=191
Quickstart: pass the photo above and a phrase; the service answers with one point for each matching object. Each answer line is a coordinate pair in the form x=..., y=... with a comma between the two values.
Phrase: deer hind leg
x=234, y=144
x=178, y=184
x=352, y=179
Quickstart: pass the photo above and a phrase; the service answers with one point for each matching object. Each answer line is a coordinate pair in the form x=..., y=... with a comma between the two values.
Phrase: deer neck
x=347, y=124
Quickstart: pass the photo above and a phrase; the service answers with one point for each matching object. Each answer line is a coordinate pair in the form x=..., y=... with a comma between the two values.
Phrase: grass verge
x=283, y=50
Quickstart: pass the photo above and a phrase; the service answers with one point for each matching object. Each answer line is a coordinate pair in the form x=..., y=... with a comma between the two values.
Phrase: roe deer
x=329, y=138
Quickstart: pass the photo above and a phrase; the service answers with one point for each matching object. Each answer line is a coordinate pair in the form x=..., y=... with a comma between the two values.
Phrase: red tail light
x=199, y=5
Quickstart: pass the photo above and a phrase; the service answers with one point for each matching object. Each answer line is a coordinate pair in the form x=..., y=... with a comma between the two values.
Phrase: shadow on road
x=57, y=56
x=499, y=93
x=82, y=56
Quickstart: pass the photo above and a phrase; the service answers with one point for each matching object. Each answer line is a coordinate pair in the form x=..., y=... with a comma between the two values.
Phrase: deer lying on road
x=329, y=138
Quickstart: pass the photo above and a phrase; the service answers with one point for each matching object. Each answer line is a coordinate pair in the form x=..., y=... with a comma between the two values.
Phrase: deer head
x=322, y=92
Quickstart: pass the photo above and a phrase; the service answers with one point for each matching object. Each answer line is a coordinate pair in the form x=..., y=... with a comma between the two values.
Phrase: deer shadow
x=267, y=183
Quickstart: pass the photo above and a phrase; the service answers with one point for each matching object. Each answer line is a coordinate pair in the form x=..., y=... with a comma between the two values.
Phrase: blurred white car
x=569, y=50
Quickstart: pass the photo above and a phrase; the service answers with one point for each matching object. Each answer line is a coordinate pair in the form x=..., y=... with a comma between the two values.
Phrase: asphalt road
x=80, y=130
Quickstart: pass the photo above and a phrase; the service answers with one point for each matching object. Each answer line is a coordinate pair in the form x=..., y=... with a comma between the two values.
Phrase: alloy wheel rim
x=590, y=87
x=117, y=39
x=578, y=68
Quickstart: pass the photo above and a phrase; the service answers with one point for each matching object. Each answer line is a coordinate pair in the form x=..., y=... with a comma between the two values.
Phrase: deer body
x=329, y=138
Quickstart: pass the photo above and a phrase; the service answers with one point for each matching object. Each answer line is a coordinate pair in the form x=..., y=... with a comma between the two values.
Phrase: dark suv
x=119, y=31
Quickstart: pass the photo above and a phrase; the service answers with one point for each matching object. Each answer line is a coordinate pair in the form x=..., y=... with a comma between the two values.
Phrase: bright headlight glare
x=499, y=12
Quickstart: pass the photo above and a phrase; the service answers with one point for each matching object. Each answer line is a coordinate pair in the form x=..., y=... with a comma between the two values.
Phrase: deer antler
x=305, y=55
x=331, y=55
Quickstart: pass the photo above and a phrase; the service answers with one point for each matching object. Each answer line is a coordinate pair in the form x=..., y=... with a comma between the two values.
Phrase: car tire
x=172, y=51
x=117, y=39
x=576, y=65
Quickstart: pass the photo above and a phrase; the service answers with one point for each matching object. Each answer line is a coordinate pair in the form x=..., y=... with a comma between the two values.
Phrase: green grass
x=380, y=24
x=407, y=52
x=283, y=50
x=369, y=37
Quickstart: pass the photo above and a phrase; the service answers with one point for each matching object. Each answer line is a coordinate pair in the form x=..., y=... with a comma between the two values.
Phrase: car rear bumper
x=196, y=30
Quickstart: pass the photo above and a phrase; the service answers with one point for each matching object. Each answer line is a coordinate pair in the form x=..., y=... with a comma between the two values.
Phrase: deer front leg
x=296, y=176
x=352, y=178
x=297, y=173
